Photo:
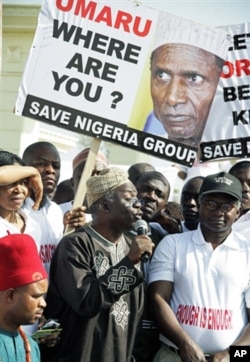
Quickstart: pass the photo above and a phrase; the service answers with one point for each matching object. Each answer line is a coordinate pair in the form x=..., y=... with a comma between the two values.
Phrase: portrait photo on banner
x=181, y=78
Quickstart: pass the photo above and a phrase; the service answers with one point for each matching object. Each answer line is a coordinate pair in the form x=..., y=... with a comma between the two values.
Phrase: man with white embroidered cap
x=96, y=283
x=186, y=64
x=200, y=281
x=23, y=284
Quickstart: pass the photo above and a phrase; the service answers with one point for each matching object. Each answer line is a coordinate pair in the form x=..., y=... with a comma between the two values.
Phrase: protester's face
x=190, y=202
x=217, y=221
x=13, y=196
x=29, y=302
x=126, y=208
x=154, y=194
x=47, y=161
x=183, y=82
x=243, y=174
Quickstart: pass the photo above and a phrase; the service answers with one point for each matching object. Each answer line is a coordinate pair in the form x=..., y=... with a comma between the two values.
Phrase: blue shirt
x=12, y=348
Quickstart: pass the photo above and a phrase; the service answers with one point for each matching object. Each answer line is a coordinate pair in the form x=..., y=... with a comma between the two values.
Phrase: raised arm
x=13, y=173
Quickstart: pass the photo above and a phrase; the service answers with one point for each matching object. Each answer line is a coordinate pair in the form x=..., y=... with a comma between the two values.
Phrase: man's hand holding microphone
x=142, y=247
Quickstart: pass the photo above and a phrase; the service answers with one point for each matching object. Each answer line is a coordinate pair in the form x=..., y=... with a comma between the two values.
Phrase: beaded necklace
x=26, y=344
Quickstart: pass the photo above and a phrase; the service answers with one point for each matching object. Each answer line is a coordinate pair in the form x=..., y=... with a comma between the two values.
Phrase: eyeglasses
x=213, y=205
x=134, y=201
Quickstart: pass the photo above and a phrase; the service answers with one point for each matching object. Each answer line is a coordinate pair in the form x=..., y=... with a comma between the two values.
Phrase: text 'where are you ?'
x=113, y=48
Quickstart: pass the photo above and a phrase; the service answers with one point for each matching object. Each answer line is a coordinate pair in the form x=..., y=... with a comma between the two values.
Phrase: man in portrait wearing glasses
x=200, y=280
x=96, y=285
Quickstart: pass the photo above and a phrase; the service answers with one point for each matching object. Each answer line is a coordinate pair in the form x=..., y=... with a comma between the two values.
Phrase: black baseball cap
x=223, y=183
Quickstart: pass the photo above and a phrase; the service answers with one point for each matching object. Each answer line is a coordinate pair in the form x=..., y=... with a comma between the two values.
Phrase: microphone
x=141, y=228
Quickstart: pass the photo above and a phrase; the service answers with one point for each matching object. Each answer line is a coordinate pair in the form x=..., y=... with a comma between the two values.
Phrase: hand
x=221, y=357
x=191, y=352
x=50, y=341
x=140, y=245
x=76, y=217
x=12, y=173
x=42, y=322
x=36, y=186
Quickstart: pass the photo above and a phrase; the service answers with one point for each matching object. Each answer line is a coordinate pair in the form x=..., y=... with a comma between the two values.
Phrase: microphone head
x=141, y=224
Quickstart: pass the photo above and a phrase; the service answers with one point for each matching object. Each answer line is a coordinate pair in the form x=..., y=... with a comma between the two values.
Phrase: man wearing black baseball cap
x=222, y=182
x=200, y=280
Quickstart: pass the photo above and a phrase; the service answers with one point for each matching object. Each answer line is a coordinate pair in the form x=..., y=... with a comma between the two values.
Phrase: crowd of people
x=121, y=290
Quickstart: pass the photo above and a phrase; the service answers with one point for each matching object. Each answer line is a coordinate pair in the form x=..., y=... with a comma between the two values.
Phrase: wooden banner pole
x=86, y=173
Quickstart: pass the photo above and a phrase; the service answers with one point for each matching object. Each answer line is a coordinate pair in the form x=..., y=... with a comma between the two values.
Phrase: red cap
x=20, y=263
x=82, y=156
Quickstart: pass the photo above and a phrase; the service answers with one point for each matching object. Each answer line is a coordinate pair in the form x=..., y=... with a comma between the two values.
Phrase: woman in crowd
x=17, y=181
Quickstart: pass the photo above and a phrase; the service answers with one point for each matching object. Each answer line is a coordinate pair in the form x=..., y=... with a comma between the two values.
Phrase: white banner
x=96, y=67
x=227, y=132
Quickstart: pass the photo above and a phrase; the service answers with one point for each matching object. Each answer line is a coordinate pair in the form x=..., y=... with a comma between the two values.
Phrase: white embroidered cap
x=107, y=180
x=177, y=30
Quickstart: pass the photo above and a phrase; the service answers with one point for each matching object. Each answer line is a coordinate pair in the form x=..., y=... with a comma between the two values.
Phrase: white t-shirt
x=243, y=227
x=159, y=228
x=50, y=219
x=244, y=217
x=211, y=287
x=67, y=206
x=32, y=228
x=184, y=228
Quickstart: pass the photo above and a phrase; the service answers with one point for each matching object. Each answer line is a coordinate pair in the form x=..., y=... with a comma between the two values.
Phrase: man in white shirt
x=46, y=159
x=200, y=280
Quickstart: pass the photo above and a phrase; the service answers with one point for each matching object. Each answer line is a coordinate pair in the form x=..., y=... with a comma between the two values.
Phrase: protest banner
x=89, y=64
x=227, y=132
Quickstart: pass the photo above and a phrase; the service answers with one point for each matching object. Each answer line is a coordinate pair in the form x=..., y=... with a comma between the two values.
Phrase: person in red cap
x=23, y=284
